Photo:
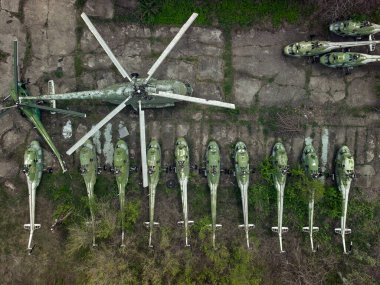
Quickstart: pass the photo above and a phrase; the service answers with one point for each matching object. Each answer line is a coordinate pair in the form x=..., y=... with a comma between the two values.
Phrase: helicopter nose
x=286, y=50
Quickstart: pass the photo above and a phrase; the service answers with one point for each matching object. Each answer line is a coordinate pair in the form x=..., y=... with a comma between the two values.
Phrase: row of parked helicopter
x=321, y=50
x=33, y=167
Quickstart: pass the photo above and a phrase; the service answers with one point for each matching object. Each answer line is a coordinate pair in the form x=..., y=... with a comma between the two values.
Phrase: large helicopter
x=281, y=169
x=344, y=173
x=241, y=159
x=33, y=168
x=213, y=177
x=121, y=171
x=310, y=164
x=354, y=28
x=89, y=170
x=140, y=93
x=182, y=169
x=154, y=169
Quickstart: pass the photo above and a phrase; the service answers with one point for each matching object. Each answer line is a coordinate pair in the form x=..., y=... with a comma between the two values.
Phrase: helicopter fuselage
x=138, y=90
x=347, y=59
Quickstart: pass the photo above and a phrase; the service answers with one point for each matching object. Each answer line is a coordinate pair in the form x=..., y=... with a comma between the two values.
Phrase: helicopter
x=241, y=159
x=310, y=164
x=89, y=171
x=316, y=48
x=347, y=60
x=281, y=169
x=121, y=171
x=154, y=169
x=33, y=167
x=213, y=176
x=344, y=173
x=354, y=28
x=140, y=93
x=182, y=169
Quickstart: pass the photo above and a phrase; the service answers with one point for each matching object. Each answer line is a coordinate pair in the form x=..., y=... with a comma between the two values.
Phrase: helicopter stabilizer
x=182, y=222
x=283, y=229
x=36, y=226
x=249, y=226
x=148, y=223
x=307, y=229
x=339, y=231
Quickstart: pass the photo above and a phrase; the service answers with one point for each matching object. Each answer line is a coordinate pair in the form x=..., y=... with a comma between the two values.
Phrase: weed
x=3, y=56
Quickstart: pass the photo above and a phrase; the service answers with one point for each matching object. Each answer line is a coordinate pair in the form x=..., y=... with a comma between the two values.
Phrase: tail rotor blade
x=144, y=165
x=105, y=120
x=104, y=45
x=171, y=46
x=194, y=100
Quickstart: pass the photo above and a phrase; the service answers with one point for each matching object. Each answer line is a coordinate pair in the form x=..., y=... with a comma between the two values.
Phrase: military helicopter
x=89, y=170
x=33, y=168
x=241, y=159
x=347, y=60
x=317, y=48
x=121, y=171
x=140, y=93
x=154, y=169
x=310, y=164
x=213, y=177
x=344, y=173
x=354, y=28
x=281, y=169
x=31, y=110
x=182, y=169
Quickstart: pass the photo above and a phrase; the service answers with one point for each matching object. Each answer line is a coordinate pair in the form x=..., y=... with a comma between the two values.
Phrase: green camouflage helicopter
x=182, y=169
x=347, y=60
x=89, y=170
x=154, y=169
x=33, y=167
x=344, y=173
x=139, y=93
x=281, y=169
x=213, y=177
x=310, y=164
x=241, y=159
x=317, y=48
x=121, y=171
x=354, y=28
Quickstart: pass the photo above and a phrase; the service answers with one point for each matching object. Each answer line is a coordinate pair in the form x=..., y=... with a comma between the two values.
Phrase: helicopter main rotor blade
x=144, y=166
x=61, y=111
x=171, y=46
x=105, y=46
x=194, y=100
x=105, y=120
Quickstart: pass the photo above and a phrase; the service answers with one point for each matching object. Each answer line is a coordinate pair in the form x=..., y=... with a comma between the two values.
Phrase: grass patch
x=226, y=13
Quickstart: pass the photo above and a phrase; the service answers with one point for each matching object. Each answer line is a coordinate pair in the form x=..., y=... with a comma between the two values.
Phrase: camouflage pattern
x=154, y=169
x=213, y=177
x=354, y=28
x=347, y=59
x=121, y=171
x=89, y=169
